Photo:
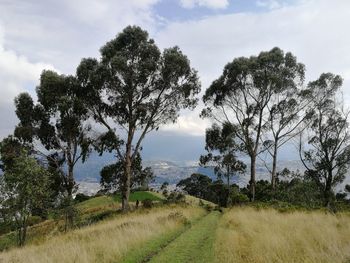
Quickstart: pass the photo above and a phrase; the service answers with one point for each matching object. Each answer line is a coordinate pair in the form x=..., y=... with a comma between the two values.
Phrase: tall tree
x=135, y=88
x=24, y=187
x=327, y=156
x=241, y=94
x=287, y=113
x=222, y=153
x=55, y=126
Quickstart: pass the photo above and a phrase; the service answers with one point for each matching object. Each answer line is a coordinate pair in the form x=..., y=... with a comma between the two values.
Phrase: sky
x=47, y=34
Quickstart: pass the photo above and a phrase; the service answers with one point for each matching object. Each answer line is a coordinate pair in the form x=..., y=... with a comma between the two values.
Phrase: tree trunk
x=328, y=190
x=70, y=180
x=252, y=177
x=274, y=167
x=127, y=173
x=126, y=184
x=22, y=233
x=228, y=202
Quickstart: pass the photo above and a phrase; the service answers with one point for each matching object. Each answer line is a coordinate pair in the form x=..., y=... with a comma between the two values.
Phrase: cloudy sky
x=38, y=34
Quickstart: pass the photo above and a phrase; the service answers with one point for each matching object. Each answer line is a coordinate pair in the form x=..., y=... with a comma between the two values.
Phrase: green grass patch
x=100, y=201
x=114, y=200
x=194, y=245
x=152, y=247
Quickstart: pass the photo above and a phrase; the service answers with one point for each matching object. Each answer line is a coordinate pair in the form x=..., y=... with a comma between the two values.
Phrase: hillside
x=190, y=233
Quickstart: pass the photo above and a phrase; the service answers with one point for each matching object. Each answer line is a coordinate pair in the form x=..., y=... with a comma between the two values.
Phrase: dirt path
x=194, y=245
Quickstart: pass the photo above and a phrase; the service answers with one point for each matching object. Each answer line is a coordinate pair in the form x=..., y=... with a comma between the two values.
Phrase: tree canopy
x=135, y=88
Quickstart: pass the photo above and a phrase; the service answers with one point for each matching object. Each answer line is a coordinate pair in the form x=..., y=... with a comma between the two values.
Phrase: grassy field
x=250, y=235
x=90, y=211
x=107, y=241
x=195, y=245
x=189, y=233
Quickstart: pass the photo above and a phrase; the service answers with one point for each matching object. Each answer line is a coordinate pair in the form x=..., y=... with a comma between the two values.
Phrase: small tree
x=24, y=187
x=222, y=153
x=197, y=185
x=327, y=156
x=135, y=88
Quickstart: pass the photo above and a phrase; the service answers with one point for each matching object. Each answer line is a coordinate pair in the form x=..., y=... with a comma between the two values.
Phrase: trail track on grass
x=194, y=245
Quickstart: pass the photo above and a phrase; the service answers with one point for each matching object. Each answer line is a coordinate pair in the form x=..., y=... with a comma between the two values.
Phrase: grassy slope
x=194, y=245
x=107, y=241
x=256, y=236
x=164, y=235
x=90, y=211
x=115, y=200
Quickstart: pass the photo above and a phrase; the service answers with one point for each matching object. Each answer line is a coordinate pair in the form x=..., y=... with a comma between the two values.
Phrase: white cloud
x=188, y=123
x=63, y=32
x=16, y=73
x=270, y=4
x=315, y=31
x=214, y=4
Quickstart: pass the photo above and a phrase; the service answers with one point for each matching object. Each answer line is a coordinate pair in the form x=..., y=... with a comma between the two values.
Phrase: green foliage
x=147, y=88
x=237, y=197
x=111, y=176
x=175, y=198
x=10, y=149
x=147, y=203
x=197, y=185
x=242, y=93
x=203, y=187
x=327, y=156
x=69, y=212
x=58, y=122
x=299, y=191
x=24, y=187
x=222, y=147
x=80, y=197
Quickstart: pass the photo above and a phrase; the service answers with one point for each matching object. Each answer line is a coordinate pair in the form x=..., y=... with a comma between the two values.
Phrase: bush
x=176, y=197
x=147, y=203
x=179, y=217
x=81, y=198
x=341, y=196
x=237, y=198
x=165, y=192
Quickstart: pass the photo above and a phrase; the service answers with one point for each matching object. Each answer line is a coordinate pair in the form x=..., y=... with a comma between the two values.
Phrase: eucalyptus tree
x=222, y=153
x=327, y=156
x=134, y=89
x=240, y=96
x=55, y=126
x=288, y=112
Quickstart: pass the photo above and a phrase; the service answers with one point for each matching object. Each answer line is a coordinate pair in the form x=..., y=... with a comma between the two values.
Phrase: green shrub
x=81, y=198
x=147, y=203
x=176, y=198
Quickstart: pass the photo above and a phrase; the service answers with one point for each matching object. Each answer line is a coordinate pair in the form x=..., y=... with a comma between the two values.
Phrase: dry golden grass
x=249, y=235
x=107, y=241
x=192, y=200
